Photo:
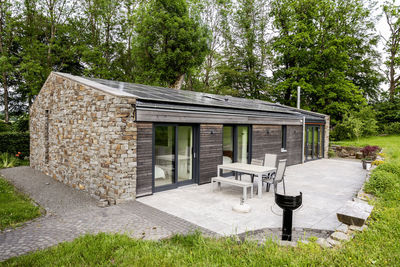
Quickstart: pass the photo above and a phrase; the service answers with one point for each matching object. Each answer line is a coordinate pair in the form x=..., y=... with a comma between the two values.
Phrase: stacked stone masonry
x=85, y=138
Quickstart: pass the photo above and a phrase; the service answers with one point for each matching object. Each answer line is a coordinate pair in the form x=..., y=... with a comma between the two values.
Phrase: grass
x=378, y=245
x=390, y=145
x=15, y=207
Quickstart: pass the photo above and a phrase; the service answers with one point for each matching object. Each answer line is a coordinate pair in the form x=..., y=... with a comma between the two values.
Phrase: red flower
x=17, y=155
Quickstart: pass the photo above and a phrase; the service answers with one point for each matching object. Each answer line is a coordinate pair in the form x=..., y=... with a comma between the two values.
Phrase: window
x=236, y=143
x=284, y=136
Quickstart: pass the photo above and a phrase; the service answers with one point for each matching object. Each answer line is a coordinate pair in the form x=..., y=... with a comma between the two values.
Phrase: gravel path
x=71, y=213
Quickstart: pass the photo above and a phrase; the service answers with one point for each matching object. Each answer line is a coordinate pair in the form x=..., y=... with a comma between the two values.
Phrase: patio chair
x=279, y=177
x=270, y=161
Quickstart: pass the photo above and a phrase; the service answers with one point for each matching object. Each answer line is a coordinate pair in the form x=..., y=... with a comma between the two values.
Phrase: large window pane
x=227, y=144
x=185, y=158
x=309, y=142
x=315, y=143
x=164, y=169
x=243, y=144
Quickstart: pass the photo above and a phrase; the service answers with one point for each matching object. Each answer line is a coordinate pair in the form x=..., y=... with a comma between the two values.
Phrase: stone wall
x=85, y=138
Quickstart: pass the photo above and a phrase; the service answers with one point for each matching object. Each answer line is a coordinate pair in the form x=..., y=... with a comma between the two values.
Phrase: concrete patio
x=326, y=186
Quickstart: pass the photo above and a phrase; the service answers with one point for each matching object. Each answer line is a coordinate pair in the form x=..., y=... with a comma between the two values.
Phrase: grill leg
x=287, y=225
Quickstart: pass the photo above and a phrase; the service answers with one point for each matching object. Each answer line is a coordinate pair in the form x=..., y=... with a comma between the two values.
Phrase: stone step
x=354, y=213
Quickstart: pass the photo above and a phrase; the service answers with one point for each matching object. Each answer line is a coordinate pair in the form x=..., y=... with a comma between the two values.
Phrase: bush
x=8, y=161
x=355, y=125
x=4, y=127
x=392, y=128
x=21, y=124
x=349, y=128
x=14, y=142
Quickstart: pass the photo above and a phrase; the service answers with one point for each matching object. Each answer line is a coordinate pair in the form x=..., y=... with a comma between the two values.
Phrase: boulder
x=359, y=155
x=354, y=213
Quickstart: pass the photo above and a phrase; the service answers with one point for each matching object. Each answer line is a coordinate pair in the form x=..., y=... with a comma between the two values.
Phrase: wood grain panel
x=144, y=171
x=268, y=138
x=210, y=151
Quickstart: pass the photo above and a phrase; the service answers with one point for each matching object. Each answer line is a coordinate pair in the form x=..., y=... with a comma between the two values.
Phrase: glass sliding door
x=185, y=155
x=315, y=142
x=174, y=150
x=242, y=144
x=164, y=165
x=236, y=144
x=313, y=145
x=228, y=144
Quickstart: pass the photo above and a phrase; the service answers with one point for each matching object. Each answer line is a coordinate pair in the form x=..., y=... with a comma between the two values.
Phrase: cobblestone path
x=68, y=218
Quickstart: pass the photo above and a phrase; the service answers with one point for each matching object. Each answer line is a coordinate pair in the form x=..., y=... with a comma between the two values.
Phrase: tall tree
x=328, y=48
x=246, y=51
x=392, y=14
x=169, y=42
x=7, y=45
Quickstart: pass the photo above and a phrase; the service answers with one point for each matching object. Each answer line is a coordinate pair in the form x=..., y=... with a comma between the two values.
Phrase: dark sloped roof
x=151, y=94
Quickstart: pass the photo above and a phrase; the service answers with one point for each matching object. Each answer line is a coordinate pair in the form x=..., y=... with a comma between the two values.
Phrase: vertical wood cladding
x=144, y=170
x=210, y=151
x=268, y=138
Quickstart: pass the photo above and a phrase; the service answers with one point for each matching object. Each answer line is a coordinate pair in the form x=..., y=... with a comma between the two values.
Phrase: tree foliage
x=259, y=49
x=169, y=42
x=327, y=48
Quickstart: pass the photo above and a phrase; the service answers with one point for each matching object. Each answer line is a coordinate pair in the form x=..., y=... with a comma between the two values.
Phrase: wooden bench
x=233, y=182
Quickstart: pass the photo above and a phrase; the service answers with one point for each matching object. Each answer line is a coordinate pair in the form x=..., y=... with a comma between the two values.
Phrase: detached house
x=119, y=141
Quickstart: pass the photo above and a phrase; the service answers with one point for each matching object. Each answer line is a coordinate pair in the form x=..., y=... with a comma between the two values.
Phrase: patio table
x=257, y=170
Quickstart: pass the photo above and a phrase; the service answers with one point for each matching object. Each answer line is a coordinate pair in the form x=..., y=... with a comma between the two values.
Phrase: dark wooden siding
x=268, y=138
x=144, y=171
x=210, y=151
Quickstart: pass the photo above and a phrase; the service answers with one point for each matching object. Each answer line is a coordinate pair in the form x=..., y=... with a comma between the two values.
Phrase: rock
x=342, y=228
x=355, y=228
x=354, y=213
x=359, y=155
x=343, y=153
x=323, y=243
x=332, y=242
x=102, y=203
x=340, y=236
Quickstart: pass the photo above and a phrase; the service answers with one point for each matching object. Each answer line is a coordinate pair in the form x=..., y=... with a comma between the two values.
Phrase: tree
x=246, y=53
x=328, y=48
x=392, y=14
x=7, y=47
x=168, y=44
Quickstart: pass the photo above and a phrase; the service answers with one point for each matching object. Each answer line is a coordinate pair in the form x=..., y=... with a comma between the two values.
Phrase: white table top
x=247, y=168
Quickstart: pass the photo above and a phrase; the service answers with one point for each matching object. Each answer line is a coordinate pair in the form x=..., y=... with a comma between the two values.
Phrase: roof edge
x=94, y=85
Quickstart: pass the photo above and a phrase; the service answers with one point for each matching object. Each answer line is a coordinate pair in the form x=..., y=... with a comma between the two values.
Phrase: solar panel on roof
x=156, y=93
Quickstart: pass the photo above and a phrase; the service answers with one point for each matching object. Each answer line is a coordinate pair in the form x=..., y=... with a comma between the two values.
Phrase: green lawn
x=378, y=245
x=14, y=206
x=390, y=144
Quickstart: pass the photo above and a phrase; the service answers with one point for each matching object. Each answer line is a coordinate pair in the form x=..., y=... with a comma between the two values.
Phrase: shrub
x=349, y=128
x=383, y=183
x=4, y=127
x=14, y=142
x=8, y=161
x=369, y=152
x=21, y=124
x=390, y=167
x=392, y=128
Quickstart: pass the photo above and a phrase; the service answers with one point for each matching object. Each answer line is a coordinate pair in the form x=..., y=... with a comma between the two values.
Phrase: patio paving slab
x=326, y=185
